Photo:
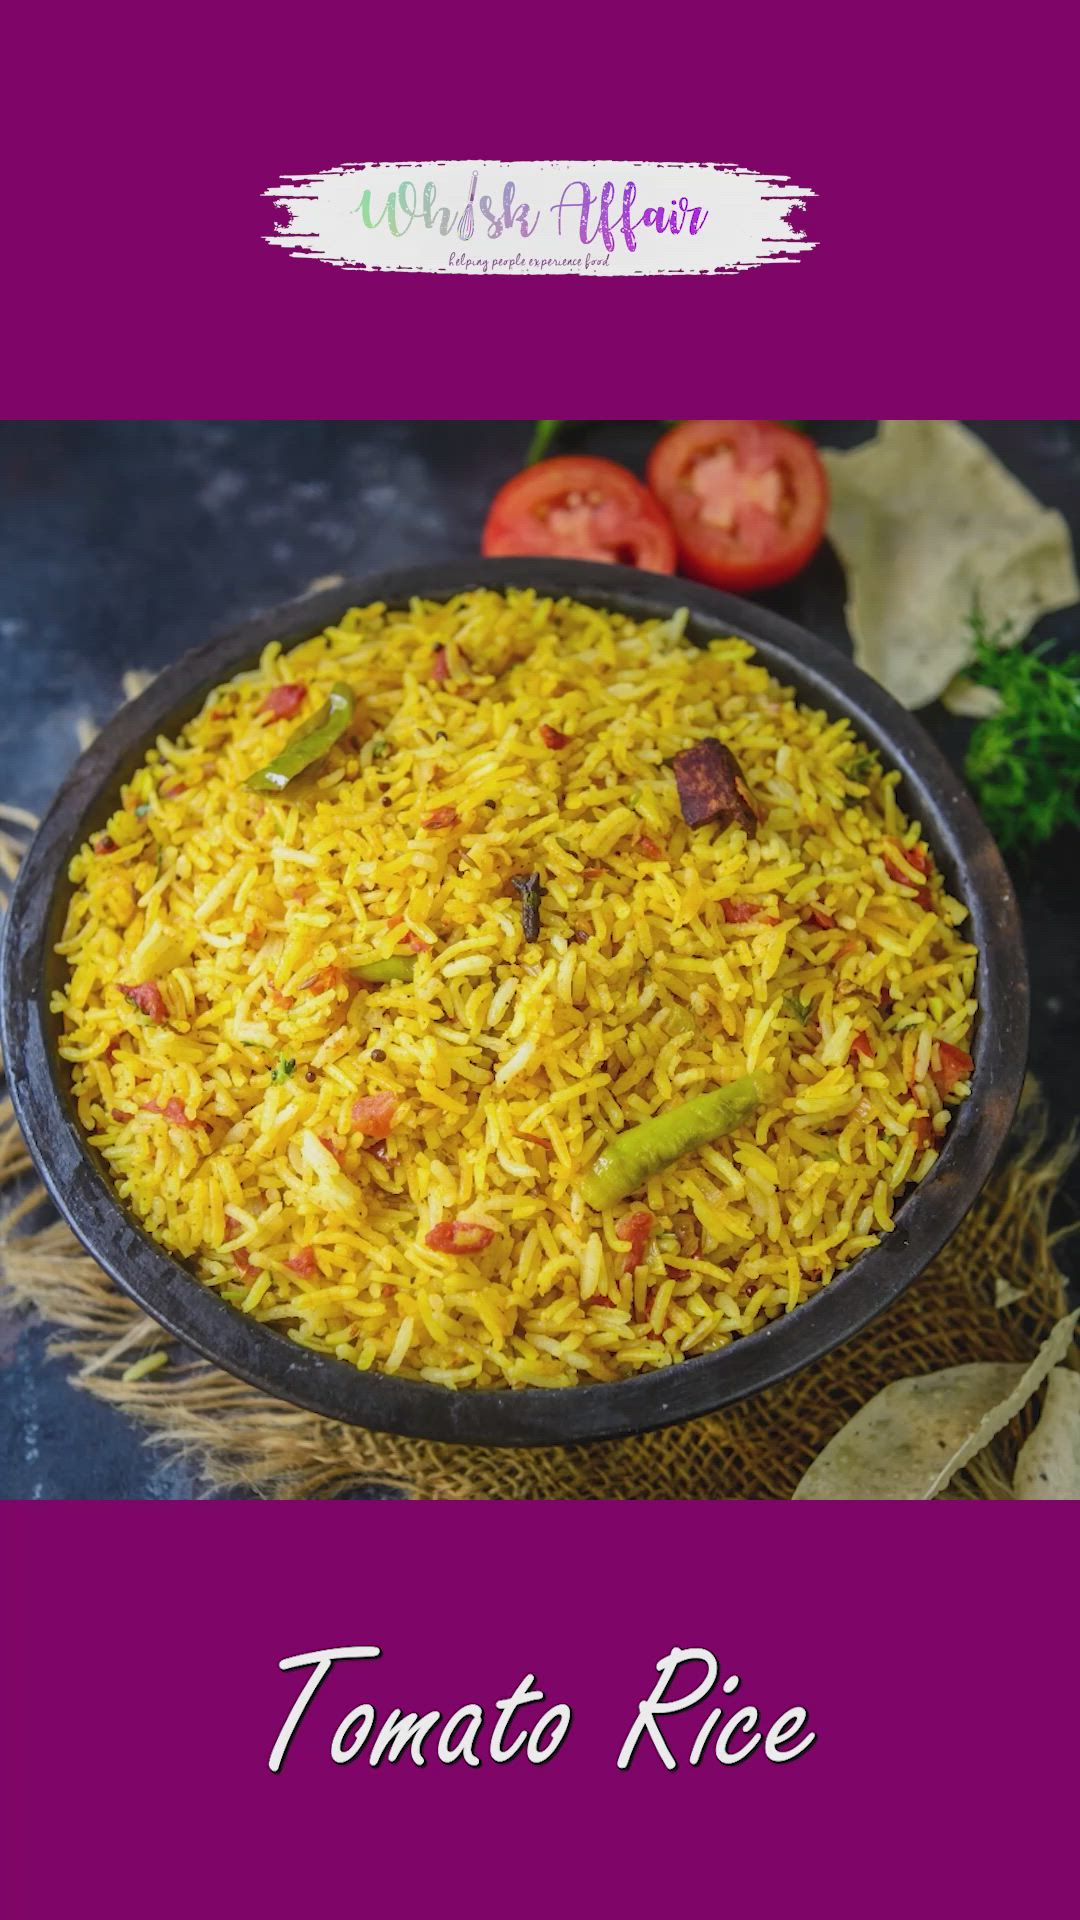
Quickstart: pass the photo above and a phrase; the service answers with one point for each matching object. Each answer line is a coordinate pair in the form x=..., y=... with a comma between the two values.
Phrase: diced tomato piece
x=172, y=1111
x=649, y=847
x=414, y=941
x=338, y=1152
x=241, y=1256
x=820, y=918
x=279, y=999
x=915, y=857
x=552, y=738
x=677, y=1273
x=283, y=702
x=736, y=911
x=373, y=1114
x=303, y=1262
x=861, y=1045
x=635, y=1228
x=148, y=1000
x=442, y=817
x=922, y=1131
x=319, y=982
x=592, y=873
x=440, y=666
x=171, y=792
x=459, y=1236
x=119, y=1115
x=955, y=1065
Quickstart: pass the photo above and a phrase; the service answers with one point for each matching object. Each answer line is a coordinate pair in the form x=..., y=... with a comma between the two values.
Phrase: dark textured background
x=124, y=544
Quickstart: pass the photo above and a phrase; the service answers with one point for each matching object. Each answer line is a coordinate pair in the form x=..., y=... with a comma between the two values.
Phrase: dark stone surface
x=123, y=544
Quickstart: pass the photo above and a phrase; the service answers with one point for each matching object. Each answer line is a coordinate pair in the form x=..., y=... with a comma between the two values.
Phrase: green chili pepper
x=394, y=967
x=310, y=743
x=633, y=1157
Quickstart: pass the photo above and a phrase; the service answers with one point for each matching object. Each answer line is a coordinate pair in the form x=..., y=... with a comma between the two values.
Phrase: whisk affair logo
x=541, y=216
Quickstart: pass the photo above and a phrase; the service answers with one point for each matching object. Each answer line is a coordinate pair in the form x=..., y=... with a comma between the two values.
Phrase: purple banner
x=941, y=279
x=146, y=1648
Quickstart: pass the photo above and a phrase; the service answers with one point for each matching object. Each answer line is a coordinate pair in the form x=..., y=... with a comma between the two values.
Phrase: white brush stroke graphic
x=541, y=216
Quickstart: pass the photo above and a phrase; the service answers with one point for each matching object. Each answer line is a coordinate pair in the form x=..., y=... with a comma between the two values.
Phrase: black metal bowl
x=75, y=1177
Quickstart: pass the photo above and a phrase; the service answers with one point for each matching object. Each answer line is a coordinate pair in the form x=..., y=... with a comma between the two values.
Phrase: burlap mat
x=992, y=1294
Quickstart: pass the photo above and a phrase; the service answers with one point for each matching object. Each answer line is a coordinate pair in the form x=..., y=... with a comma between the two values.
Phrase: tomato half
x=747, y=498
x=583, y=509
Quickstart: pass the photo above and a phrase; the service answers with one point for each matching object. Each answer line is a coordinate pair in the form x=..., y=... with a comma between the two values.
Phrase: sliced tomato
x=583, y=509
x=747, y=499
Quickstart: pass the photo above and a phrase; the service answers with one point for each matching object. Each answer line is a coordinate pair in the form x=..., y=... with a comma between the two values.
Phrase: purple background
x=941, y=147
x=148, y=1698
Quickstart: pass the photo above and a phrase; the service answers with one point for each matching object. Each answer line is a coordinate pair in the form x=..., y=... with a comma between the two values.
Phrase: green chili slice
x=394, y=967
x=629, y=1160
x=310, y=743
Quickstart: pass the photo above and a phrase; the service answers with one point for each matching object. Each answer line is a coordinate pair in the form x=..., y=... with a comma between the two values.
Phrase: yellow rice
x=232, y=902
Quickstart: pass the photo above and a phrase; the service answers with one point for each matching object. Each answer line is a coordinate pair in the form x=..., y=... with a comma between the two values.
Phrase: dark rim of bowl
x=72, y=1173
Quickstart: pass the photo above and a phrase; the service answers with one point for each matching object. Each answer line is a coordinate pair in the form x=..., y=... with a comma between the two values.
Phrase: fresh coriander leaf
x=1023, y=762
x=799, y=1010
x=860, y=766
x=282, y=1070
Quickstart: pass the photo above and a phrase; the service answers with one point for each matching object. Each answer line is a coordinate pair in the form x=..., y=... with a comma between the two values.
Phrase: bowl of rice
x=514, y=1002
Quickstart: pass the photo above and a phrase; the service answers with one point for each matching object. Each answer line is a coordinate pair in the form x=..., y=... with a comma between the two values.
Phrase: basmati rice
x=227, y=1124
